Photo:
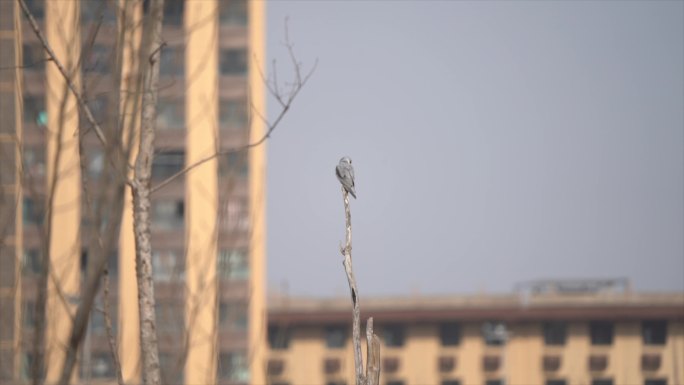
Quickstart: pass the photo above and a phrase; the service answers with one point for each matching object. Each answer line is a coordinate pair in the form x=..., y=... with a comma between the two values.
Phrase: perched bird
x=345, y=174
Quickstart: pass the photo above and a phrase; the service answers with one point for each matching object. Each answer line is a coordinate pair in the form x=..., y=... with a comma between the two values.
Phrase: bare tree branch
x=286, y=103
x=141, y=194
x=47, y=270
x=356, y=308
x=29, y=65
x=371, y=376
x=100, y=247
x=372, y=355
x=67, y=77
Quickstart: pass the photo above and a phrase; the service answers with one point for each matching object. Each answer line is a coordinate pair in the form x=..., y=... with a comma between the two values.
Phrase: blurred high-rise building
x=580, y=332
x=208, y=225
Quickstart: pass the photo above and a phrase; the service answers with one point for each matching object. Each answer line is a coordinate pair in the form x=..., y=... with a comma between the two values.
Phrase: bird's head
x=346, y=160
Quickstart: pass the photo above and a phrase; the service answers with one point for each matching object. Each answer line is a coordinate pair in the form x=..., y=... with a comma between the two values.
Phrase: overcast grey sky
x=493, y=142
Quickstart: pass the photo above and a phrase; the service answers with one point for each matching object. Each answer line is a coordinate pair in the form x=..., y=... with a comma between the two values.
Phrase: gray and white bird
x=345, y=174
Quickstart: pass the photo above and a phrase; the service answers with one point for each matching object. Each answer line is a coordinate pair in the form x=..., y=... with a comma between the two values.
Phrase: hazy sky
x=493, y=142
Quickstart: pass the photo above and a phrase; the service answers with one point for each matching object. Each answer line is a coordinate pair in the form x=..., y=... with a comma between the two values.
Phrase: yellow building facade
x=549, y=339
x=208, y=225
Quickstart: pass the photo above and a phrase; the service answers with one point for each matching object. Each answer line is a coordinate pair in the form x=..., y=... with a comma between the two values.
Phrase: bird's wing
x=337, y=172
x=351, y=174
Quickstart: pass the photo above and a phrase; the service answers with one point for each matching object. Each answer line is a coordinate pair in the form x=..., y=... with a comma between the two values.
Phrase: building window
x=36, y=7
x=27, y=363
x=234, y=216
x=233, y=114
x=556, y=381
x=92, y=9
x=170, y=114
x=31, y=262
x=173, y=12
x=393, y=335
x=233, y=316
x=233, y=61
x=233, y=264
x=233, y=12
x=89, y=210
x=168, y=265
x=97, y=319
x=278, y=337
x=34, y=110
x=34, y=57
x=33, y=211
x=654, y=332
x=101, y=365
x=170, y=316
x=168, y=215
x=233, y=366
x=171, y=366
x=98, y=59
x=29, y=315
x=555, y=333
x=233, y=164
x=84, y=260
x=171, y=61
x=331, y=366
x=450, y=334
x=655, y=381
x=167, y=164
x=602, y=381
x=451, y=382
x=113, y=264
x=494, y=333
x=601, y=332
x=7, y=361
x=446, y=363
x=34, y=161
x=95, y=163
x=99, y=106
x=335, y=336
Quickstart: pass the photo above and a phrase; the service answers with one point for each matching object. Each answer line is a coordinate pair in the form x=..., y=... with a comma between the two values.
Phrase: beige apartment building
x=208, y=226
x=546, y=336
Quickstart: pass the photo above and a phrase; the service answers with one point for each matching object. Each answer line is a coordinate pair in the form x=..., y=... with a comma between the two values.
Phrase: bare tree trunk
x=141, y=194
x=371, y=376
x=356, y=308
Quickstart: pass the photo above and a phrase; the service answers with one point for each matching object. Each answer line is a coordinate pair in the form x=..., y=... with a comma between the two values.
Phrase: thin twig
x=29, y=65
x=274, y=91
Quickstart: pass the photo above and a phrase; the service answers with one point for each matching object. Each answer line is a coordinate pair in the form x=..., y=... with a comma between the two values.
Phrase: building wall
x=11, y=234
x=257, y=194
x=63, y=181
x=201, y=194
x=210, y=303
x=520, y=359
